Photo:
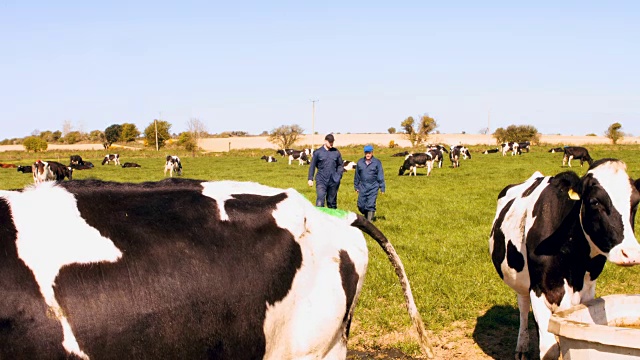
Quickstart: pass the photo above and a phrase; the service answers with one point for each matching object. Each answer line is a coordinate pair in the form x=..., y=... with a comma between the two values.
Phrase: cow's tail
x=367, y=227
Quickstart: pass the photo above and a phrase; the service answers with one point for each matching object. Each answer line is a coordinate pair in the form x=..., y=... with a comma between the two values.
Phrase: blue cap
x=368, y=148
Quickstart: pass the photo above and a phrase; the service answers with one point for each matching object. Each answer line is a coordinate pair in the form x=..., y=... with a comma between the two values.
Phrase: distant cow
x=348, y=165
x=284, y=152
x=437, y=147
x=268, y=158
x=84, y=165
x=75, y=160
x=25, y=169
x=130, y=165
x=556, y=149
x=524, y=145
x=510, y=146
x=404, y=153
x=173, y=164
x=462, y=150
x=50, y=171
x=491, y=151
x=552, y=236
x=420, y=160
x=8, y=166
x=576, y=152
x=111, y=157
x=300, y=156
x=454, y=156
x=181, y=269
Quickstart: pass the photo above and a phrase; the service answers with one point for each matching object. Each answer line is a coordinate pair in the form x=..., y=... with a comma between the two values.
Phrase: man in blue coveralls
x=369, y=177
x=328, y=160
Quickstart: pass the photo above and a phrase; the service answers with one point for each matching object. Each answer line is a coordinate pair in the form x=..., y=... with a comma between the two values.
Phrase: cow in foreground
x=552, y=235
x=268, y=158
x=172, y=165
x=111, y=157
x=243, y=271
x=50, y=171
x=576, y=152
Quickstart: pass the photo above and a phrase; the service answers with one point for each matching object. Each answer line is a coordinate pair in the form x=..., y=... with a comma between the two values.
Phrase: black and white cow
x=131, y=165
x=349, y=165
x=437, y=147
x=172, y=165
x=419, y=160
x=308, y=151
x=84, y=165
x=284, y=152
x=268, y=158
x=299, y=155
x=50, y=171
x=578, y=153
x=454, y=156
x=556, y=149
x=25, y=169
x=462, y=150
x=75, y=160
x=491, y=151
x=111, y=157
x=181, y=269
x=552, y=236
x=510, y=146
x=403, y=153
x=524, y=145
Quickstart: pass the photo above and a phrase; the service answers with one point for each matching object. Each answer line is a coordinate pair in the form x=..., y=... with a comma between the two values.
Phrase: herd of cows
x=237, y=270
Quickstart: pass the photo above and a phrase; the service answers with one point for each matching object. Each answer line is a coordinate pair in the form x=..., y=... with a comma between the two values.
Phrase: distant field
x=439, y=225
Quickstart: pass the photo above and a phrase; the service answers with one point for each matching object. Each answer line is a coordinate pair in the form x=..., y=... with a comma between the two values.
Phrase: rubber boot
x=370, y=215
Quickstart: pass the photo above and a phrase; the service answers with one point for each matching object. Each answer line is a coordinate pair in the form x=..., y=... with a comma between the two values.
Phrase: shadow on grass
x=496, y=332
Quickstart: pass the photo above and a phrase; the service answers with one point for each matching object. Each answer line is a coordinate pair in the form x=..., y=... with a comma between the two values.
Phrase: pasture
x=439, y=225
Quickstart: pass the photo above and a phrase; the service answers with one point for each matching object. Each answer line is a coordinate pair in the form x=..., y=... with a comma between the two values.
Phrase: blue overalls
x=329, y=164
x=367, y=180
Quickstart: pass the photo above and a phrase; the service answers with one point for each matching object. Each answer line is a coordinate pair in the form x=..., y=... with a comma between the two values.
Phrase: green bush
x=35, y=144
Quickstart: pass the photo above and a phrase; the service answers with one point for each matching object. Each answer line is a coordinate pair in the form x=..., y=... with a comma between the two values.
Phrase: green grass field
x=439, y=225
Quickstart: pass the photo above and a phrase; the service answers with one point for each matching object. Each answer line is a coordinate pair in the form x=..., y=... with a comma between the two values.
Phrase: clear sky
x=567, y=67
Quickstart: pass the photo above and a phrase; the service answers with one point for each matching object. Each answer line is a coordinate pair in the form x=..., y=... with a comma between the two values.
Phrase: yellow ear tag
x=573, y=195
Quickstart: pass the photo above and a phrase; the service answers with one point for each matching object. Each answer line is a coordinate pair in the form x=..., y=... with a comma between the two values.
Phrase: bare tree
x=286, y=135
x=197, y=129
x=67, y=127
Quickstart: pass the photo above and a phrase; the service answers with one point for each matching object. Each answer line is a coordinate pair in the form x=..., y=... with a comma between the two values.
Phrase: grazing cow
x=349, y=165
x=556, y=149
x=308, y=151
x=491, y=151
x=419, y=160
x=130, y=165
x=181, y=269
x=111, y=157
x=173, y=164
x=437, y=147
x=454, y=156
x=25, y=169
x=576, y=152
x=8, y=166
x=525, y=145
x=463, y=151
x=268, y=158
x=510, y=146
x=75, y=160
x=284, y=152
x=301, y=156
x=552, y=236
x=404, y=153
x=84, y=165
x=50, y=171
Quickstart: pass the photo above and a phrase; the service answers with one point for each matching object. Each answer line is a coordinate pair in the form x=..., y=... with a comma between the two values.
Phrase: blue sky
x=565, y=67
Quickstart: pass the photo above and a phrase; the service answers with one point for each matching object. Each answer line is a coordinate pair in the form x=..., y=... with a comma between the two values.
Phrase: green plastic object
x=342, y=214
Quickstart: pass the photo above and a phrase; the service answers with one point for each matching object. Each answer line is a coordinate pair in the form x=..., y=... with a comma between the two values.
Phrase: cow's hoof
x=522, y=356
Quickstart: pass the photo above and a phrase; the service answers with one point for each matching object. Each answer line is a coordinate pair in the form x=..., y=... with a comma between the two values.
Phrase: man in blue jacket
x=328, y=160
x=369, y=177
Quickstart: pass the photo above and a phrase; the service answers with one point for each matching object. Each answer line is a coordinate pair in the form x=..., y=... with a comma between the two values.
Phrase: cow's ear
x=637, y=184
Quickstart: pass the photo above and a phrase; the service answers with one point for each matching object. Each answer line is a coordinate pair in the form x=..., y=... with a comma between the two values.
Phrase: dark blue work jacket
x=329, y=164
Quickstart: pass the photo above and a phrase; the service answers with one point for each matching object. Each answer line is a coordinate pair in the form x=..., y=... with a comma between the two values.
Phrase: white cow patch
x=222, y=191
x=45, y=251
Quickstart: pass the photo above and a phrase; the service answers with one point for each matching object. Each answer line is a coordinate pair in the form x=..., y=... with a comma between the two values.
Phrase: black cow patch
x=515, y=260
x=183, y=287
x=499, y=251
x=533, y=187
x=350, y=279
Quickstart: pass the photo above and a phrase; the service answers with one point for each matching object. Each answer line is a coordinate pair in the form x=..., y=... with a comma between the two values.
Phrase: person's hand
x=381, y=192
x=357, y=190
x=310, y=182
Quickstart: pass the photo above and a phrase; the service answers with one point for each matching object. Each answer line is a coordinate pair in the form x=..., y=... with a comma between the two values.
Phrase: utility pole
x=155, y=123
x=313, y=123
x=489, y=123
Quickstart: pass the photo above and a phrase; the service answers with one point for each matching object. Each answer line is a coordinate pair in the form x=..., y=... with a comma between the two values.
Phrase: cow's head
x=607, y=214
x=405, y=166
x=105, y=160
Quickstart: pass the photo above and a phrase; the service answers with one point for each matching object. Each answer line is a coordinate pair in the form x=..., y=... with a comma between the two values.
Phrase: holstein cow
x=301, y=156
x=576, y=152
x=510, y=146
x=130, y=165
x=226, y=270
x=437, y=147
x=349, y=165
x=84, y=165
x=173, y=164
x=491, y=151
x=111, y=157
x=284, y=152
x=552, y=236
x=404, y=153
x=25, y=169
x=454, y=156
x=463, y=150
x=75, y=160
x=525, y=145
x=50, y=171
x=268, y=158
x=420, y=160
x=556, y=149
